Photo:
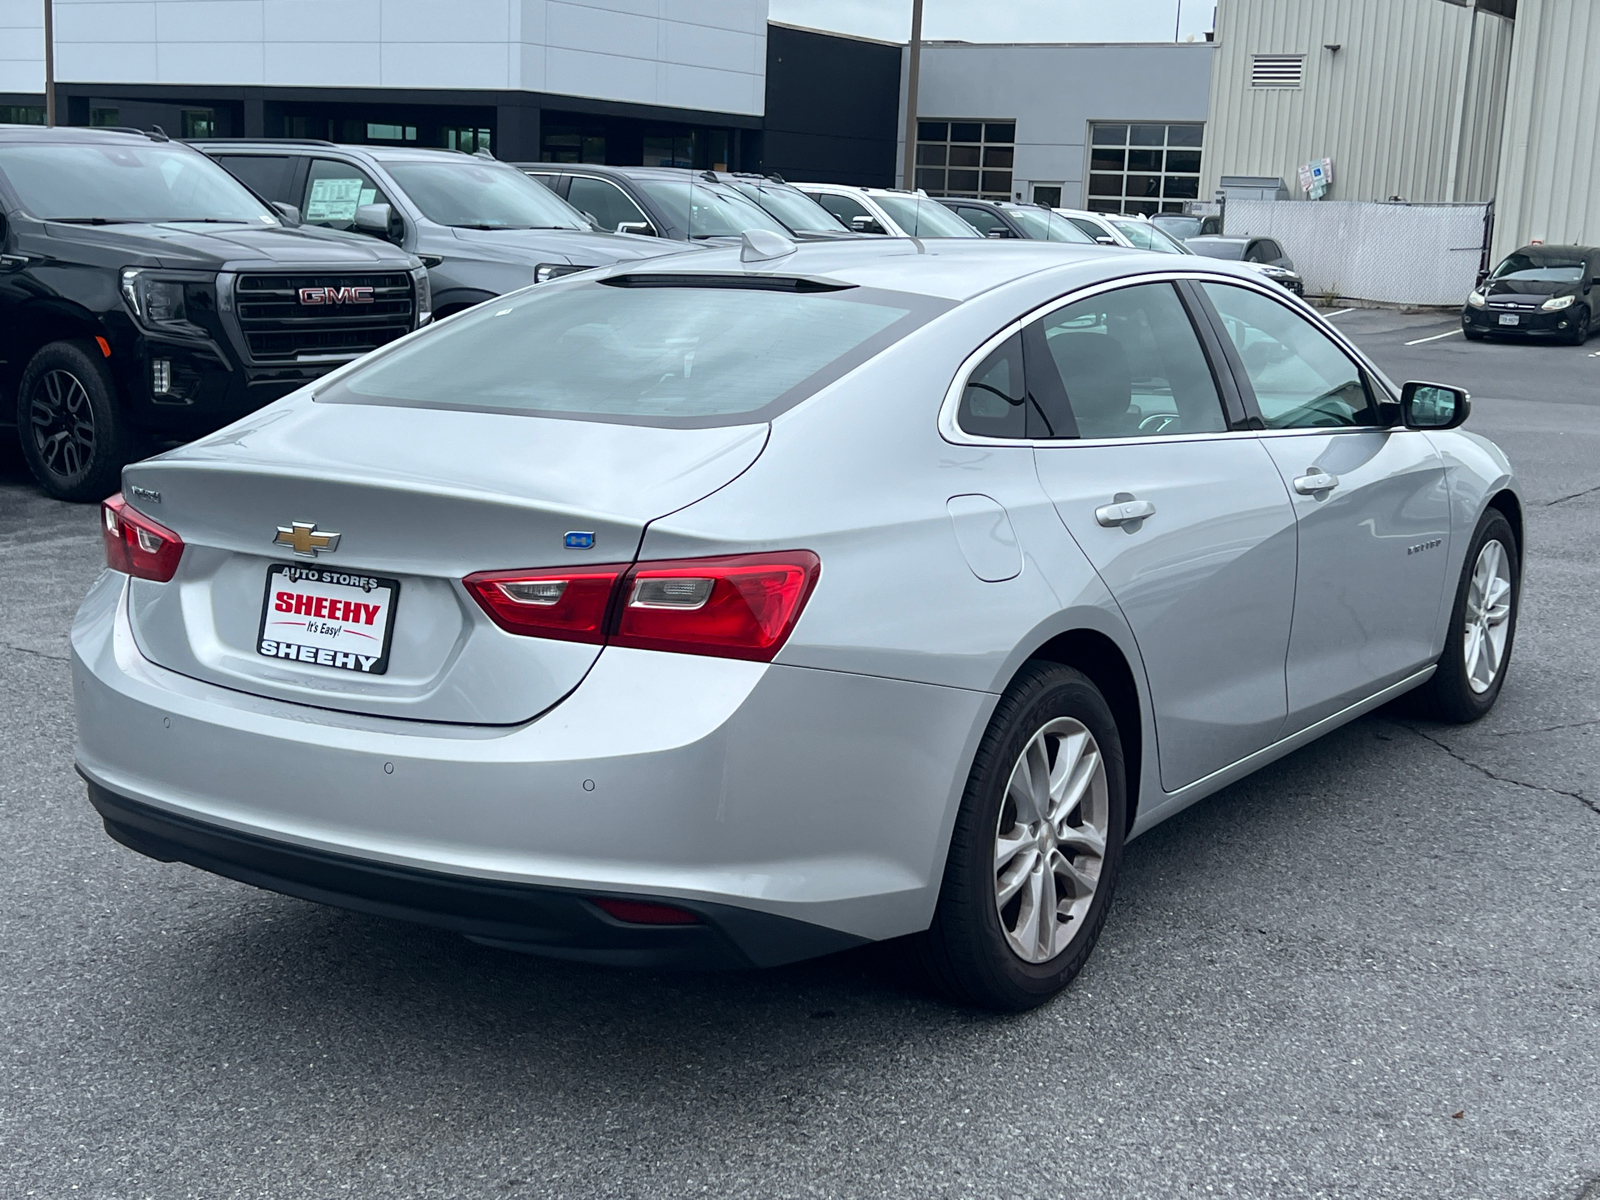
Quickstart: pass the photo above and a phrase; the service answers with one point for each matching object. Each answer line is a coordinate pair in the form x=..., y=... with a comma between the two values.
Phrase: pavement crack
x=1545, y=728
x=1574, y=496
x=38, y=653
x=1488, y=774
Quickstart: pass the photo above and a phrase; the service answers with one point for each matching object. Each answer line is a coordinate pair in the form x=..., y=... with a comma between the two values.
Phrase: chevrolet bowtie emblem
x=306, y=541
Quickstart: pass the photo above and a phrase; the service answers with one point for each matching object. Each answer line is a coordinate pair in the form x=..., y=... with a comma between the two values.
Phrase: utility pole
x=49, y=63
x=912, y=69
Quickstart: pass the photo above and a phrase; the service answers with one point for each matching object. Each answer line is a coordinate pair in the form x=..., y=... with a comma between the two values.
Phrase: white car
x=1097, y=225
x=891, y=211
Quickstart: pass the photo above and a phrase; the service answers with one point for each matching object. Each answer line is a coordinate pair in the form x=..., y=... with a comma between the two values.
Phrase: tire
x=75, y=438
x=1458, y=692
x=983, y=947
x=1580, y=328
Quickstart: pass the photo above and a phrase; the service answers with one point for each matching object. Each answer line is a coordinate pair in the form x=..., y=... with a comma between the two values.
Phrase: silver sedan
x=734, y=611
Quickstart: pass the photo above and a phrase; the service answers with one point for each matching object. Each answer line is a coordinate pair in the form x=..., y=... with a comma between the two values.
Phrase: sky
x=1005, y=20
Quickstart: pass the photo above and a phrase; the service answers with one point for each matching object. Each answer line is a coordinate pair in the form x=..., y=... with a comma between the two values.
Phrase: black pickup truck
x=146, y=296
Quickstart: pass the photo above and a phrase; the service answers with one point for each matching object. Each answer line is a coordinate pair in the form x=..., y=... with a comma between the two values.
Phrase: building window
x=199, y=123
x=21, y=114
x=105, y=117
x=1143, y=168
x=469, y=140
x=1277, y=70
x=1047, y=194
x=966, y=158
x=391, y=133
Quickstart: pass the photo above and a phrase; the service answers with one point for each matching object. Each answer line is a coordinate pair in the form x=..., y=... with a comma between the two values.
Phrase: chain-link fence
x=1367, y=250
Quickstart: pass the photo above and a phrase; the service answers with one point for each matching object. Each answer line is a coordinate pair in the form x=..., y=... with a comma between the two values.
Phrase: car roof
x=1536, y=250
x=379, y=153
x=79, y=135
x=1227, y=238
x=951, y=269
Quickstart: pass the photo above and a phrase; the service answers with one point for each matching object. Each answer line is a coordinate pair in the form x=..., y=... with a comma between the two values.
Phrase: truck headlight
x=1557, y=303
x=159, y=298
x=424, y=291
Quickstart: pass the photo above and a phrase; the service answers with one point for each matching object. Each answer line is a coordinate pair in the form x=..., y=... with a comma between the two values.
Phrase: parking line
x=1434, y=338
x=1340, y=313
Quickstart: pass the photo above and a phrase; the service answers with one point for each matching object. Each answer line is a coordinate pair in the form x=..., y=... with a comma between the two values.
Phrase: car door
x=1370, y=502
x=984, y=220
x=1179, y=508
x=332, y=191
x=848, y=210
x=611, y=207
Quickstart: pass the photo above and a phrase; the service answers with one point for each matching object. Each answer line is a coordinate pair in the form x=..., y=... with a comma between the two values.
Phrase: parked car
x=745, y=606
x=1096, y=226
x=1537, y=291
x=888, y=212
x=145, y=296
x=1262, y=253
x=1143, y=234
x=1182, y=226
x=1006, y=219
x=482, y=227
x=663, y=202
x=803, y=216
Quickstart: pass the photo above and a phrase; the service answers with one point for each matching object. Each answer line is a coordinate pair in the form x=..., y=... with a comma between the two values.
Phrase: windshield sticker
x=334, y=200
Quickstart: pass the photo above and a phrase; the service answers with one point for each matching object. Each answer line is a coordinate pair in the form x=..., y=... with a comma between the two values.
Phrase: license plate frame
x=324, y=647
x=1511, y=318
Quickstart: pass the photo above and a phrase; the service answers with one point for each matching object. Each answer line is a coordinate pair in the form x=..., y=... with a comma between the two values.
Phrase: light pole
x=49, y=63
x=912, y=67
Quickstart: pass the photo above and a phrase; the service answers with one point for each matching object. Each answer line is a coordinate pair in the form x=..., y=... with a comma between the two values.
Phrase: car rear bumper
x=822, y=799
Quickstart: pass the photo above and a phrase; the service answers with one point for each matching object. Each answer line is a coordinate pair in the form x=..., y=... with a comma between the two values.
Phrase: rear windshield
x=924, y=218
x=1042, y=225
x=139, y=181
x=470, y=195
x=675, y=356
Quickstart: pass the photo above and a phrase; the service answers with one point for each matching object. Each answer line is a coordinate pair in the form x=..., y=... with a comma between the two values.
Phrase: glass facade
x=966, y=158
x=1143, y=168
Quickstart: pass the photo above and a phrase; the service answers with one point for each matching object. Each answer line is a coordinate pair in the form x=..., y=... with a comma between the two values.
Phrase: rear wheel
x=1483, y=626
x=1036, y=846
x=74, y=438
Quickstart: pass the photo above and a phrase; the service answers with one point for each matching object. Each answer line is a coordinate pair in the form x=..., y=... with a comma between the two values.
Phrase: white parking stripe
x=1340, y=313
x=1434, y=338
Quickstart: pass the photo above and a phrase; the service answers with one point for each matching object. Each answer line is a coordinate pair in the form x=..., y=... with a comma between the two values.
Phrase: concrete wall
x=1549, y=176
x=1409, y=105
x=695, y=54
x=1054, y=92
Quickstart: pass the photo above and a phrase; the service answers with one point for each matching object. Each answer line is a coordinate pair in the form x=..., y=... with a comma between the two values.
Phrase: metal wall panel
x=1410, y=86
x=1549, y=178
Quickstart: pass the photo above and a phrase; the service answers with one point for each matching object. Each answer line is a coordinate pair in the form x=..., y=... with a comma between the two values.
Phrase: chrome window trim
x=950, y=431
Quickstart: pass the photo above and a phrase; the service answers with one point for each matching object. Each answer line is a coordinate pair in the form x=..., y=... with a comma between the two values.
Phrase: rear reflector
x=641, y=912
x=136, y=545
x=569, y=606
x=737, y=606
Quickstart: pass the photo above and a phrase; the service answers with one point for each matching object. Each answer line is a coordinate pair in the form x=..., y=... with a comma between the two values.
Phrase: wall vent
x=1277, y=70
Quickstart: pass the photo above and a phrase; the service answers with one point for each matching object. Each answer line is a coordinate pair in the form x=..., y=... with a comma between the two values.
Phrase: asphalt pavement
x=1371, y=970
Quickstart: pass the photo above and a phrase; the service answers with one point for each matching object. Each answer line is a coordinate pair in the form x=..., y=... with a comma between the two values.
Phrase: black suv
x=145, y=294
x=1005, y=219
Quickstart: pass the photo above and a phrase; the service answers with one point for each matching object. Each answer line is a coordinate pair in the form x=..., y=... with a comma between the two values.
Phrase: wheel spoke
x=1083, y=884
x=1027, y=931
x=1008, y=845
x=1077, y=760
x=1084, y=839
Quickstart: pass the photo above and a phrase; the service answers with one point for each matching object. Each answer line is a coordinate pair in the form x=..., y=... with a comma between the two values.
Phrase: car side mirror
x=1105, y=239
x=640, y=227
x=376, y=219
x=289, y=213
x=998, y=232
x=1433, y=406
x=865, y=225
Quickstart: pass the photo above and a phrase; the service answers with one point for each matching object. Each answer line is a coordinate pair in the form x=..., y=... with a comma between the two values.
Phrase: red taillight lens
x=135, y=544
x=567, y=605
x=743, y=606
x=641, y=912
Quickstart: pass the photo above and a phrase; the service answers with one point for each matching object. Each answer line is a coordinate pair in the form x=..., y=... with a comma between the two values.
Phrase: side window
x=993, y=403
x=334, y=190
x=1125, y=363
x=846, y=208
x=267, y=175
x=1138, y=235
x=982, y=220
x=1301, y=379
x=1271, y=251
x=608, y=204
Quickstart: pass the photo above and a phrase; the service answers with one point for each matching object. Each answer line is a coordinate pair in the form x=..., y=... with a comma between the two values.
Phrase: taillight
x=642, y=912
x=738, y=606
x=567, y=605
x=742, y=606
x=135, y=544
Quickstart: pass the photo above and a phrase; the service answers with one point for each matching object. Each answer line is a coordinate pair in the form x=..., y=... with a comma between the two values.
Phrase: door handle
x=1123, y=512
x=1314, y=481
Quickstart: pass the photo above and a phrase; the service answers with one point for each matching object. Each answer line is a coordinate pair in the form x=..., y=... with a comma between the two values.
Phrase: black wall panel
x=832, y=108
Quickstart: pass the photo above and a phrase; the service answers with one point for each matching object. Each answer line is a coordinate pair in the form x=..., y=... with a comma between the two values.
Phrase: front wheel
x=1471, y=334
x=1483, y=625
x=1580, y=327
x=74, y=436
x=1036, y=846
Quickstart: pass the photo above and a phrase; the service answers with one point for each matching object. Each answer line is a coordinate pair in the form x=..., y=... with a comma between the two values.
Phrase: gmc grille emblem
x=336, y=295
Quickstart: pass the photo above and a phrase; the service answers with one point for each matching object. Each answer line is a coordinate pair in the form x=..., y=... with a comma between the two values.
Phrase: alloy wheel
x=1050, y=840
x=1488, y=616
x=63, y=424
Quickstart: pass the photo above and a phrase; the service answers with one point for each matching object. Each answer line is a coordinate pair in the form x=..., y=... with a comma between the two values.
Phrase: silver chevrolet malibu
x=734, y=611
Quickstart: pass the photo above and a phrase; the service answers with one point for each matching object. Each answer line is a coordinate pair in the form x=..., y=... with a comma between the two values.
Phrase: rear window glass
x=676, y=356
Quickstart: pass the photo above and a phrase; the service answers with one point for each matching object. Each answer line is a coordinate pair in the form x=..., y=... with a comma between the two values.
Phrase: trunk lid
x=419, y=498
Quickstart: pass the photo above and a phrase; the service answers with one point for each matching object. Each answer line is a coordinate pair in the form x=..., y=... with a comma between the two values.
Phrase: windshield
x=1149, y=237
x=1042, y=225
x=1233, y=250
x=921, y=217
x=482, y=195
x=658, y=355
x=791, y=206
x=1527, y=268
x=707, y=210
x=1178, y=227
x=140, y=181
